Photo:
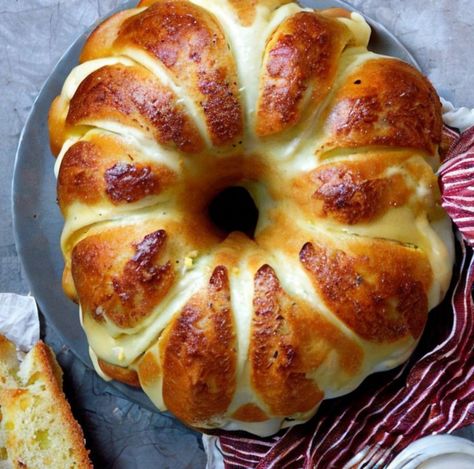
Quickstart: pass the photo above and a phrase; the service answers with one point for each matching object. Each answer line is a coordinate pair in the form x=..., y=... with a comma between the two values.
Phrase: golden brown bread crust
x=250, y=413
x=362, y=190
x=79, y=177
x=173, y=33
x=384, y=102
x=100, y=41
x=175, y=102
x=57, y=124
x=351, y=198
x=134, y=97
x=301, y=57
x=199, y=355
x=131, y=182
x=149, y=369
x=336, y=13
x=382, y=297
x=121, y=275
x=103, y=168
x=189, y=43
x=246, y=9
x=124, y=375
x=283, y=348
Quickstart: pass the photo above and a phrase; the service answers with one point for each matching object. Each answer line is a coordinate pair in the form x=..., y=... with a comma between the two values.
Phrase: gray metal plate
x=38, y=221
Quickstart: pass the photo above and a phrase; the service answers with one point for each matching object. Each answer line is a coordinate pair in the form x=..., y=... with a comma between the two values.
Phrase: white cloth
x=461, y=118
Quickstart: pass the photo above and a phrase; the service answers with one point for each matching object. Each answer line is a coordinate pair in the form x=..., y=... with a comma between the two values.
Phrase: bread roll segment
x=177, y=100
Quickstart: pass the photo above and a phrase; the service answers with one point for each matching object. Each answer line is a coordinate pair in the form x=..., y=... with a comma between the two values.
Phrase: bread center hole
x=233, y=209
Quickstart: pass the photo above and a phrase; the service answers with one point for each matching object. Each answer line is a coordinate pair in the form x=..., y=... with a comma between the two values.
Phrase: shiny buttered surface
x=175, y=101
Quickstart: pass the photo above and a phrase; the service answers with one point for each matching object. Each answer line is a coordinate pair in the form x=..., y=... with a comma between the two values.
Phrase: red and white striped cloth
x=432, y=393
x=457, y=184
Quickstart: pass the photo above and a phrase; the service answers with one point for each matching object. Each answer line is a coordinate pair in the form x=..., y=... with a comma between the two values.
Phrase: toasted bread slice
x=39, y=429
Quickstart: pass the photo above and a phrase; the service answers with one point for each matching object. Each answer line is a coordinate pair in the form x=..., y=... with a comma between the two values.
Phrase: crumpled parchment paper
x=19, y=320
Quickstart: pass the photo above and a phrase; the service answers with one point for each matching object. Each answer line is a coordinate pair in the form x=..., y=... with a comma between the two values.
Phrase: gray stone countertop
x=33, y=35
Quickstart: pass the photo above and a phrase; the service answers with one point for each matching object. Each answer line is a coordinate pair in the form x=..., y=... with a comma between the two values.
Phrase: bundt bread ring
x=238, y=326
